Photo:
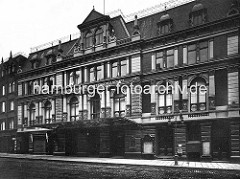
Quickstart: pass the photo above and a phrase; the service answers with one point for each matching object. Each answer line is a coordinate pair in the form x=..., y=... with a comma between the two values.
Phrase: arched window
x=198, y=15
x=32, y=112
x=10, y=87
x=165, y=98
x=88, y=40
x=47, y=112
x=119, y=105
x=95, y=106
x=13, y=87
x=73, y=109
x=198, y=95
x=99, y=36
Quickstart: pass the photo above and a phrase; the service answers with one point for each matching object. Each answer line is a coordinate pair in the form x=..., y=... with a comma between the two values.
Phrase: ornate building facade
x=193, y=44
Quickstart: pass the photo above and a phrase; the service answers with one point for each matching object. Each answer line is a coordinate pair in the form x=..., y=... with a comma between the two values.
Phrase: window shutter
x=232, y=45
x=136, y=67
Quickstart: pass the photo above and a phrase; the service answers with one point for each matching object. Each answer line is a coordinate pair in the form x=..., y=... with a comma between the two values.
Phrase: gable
x=93, y=15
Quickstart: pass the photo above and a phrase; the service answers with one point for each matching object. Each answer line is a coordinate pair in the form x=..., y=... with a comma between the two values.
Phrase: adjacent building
x=8, y=101
x=189, y=46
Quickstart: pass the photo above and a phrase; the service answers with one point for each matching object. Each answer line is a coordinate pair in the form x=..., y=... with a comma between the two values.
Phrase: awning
x=33, y=129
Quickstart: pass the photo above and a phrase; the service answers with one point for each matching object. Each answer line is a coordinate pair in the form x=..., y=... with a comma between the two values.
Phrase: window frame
x=74, y=103
x=117, y=99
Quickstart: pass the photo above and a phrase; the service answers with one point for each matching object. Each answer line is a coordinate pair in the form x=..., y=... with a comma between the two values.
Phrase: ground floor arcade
x=195, y=140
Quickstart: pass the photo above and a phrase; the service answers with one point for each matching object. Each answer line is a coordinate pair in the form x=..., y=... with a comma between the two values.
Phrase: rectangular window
x=114, y=69
x=210, y=49
x=135, y=63
x=232, y=46
x=3, y=126
x=99, y=73
x=3, y=106
x=203, y=53
x=11, y=105
x=159, y=61
x=170, y=58
x=92, y=74
x=11, y=124
x=124, y=67
x=13, y=87
x=192, y=55
x=10, y=88
x=3, y=90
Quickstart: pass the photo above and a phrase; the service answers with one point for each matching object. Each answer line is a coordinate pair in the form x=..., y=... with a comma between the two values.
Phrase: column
x=128, y=102
x=153, y=99
x=184, y=94
x=176, y=57
x=25, y=115
x=85, y=107
x=185, y=55
x=128, y=65
x=108, y=70
x=64, y=104
x=103, y=102
x=80, y=76
x=211, y=91
x=176, y=96
x=53, y=111
x=65, y=78
x=85, y=74
x=103, y=68
x=80, y=107
x=40, y=112
x=108, y=104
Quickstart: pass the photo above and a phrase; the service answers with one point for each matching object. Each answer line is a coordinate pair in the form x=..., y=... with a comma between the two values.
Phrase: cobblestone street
x=31, y=167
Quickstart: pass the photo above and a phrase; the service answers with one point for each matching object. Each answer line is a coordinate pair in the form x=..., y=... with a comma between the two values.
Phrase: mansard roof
x=216, y=9
x=67, y=50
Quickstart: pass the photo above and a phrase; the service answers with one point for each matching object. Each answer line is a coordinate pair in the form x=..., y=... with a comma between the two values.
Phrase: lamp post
x=175, y=136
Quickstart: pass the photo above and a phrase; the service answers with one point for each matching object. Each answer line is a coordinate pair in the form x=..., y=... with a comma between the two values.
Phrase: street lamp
x=175, y=137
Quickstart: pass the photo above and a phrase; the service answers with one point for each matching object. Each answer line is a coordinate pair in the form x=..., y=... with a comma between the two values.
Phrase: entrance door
x=165, y=141
x=93, y=142
x=117, y=143
x=220, y=140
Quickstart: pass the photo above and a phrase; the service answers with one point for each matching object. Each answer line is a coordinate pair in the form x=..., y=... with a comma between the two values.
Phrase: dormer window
x=234, y=10
x=35, y=61
x=165, y=25
x=50, y=56
x=89, y=40
x=99, y=36
x=198, y=15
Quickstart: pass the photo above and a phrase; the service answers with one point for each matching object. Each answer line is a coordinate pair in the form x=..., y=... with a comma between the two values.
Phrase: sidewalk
x=181, y=164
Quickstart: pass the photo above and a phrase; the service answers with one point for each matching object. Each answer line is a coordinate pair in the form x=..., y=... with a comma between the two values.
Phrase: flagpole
x=104, y=7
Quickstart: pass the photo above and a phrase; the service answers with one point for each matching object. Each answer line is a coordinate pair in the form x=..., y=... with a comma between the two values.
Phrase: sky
x=29, y=23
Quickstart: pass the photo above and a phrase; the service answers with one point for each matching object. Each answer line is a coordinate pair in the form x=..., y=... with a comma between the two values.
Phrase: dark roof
x=119, y=27
x=216, y=9
x=67, y=50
